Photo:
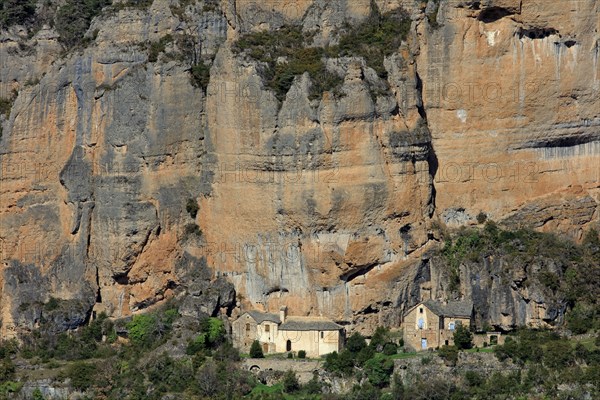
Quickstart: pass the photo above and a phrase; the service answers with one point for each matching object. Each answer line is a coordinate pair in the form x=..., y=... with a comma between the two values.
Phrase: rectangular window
x=267, y=328
x=321, y=335
x=451, y=326
x=421, y=310
x=247, y=327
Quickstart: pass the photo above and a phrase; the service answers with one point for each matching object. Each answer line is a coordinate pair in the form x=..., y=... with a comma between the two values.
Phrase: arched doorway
x=288, y=345
x=265, y=347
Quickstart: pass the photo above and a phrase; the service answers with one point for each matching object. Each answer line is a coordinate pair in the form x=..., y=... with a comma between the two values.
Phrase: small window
x=247, y=327
x=321, y=335
x=420, y=323
x=267, y=328
x=421, y=310
x=451, y=326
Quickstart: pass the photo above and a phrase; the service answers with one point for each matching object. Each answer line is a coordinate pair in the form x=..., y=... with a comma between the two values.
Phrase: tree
x=142, y=329
x=378, y=370
x=290, y=382
x=256, y=350
x=81, y=375
x=463, y=338
x=16, y=11
x=356, y=342
x=379, y=339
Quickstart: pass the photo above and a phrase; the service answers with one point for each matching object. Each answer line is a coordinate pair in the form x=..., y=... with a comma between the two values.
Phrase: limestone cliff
x=325, y=205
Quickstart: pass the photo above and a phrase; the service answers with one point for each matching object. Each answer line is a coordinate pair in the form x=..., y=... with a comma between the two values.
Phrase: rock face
x=325, y=206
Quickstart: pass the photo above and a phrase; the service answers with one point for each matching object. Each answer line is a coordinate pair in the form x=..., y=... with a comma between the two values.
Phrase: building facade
x=431, y=324
x=317, y=336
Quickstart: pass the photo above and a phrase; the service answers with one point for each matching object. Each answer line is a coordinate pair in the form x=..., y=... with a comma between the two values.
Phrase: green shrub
x=8, y=388
x=474, y=379
x=16, y=12
x=256, y=350
x=157, y=47
x=81, y=375
x=581, y=318
x=355, y=343
x=37, y=394
x=196, y=345
x=7, y=369
x=73, y=19
x=142, y=329
x=379, y=36
x=378, y=370
x=380, y=337
x=215, y=331
x=192, y=229
x=449, y=354
x=481, y=217
x=290, y=45
x=290, y=355
x=200, y=76
x=301, y=354
x=5, y=106
x=290, y=382
x=390, y=349
x=463, y=338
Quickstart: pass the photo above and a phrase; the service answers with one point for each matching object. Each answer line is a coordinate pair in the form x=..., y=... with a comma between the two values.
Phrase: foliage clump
x=256, y=350
x=73, y=19
x=287, y=53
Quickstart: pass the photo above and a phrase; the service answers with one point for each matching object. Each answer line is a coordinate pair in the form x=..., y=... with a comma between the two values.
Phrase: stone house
x=281, y=333
x=431, y=324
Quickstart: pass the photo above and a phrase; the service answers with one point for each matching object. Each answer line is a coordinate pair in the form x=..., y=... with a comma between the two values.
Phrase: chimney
x=282, y=313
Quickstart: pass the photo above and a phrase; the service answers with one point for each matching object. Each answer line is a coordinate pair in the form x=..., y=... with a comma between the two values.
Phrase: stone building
x=431, y=324
x=281, y=333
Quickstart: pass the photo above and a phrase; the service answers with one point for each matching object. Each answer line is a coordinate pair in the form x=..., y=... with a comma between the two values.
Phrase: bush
x=378, y=370
x=16, y=12
x=256, y=350
x=5, y=106
x=142, y=329
x=449, y=354
x=481, y=217
x=192, y=229
x=290, y=382
x=390, y=349
x=301, y=354
x=463, y=338
x=73, y=19
x=379, y=36
x=81, y=375
x=290, y=355
x=7, y=370
x=380, y=338
x=288, y=43
x=356, y=342
x=37, y=394
x=200, y=76
x=154, y=50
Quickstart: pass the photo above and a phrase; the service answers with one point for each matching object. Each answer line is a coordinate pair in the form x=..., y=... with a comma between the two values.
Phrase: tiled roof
x=260, y=317
x=309, y=324
x=451, y=309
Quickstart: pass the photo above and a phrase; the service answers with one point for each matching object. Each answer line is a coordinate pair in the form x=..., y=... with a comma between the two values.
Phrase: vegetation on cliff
x=287, y=52
x=568, y=272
